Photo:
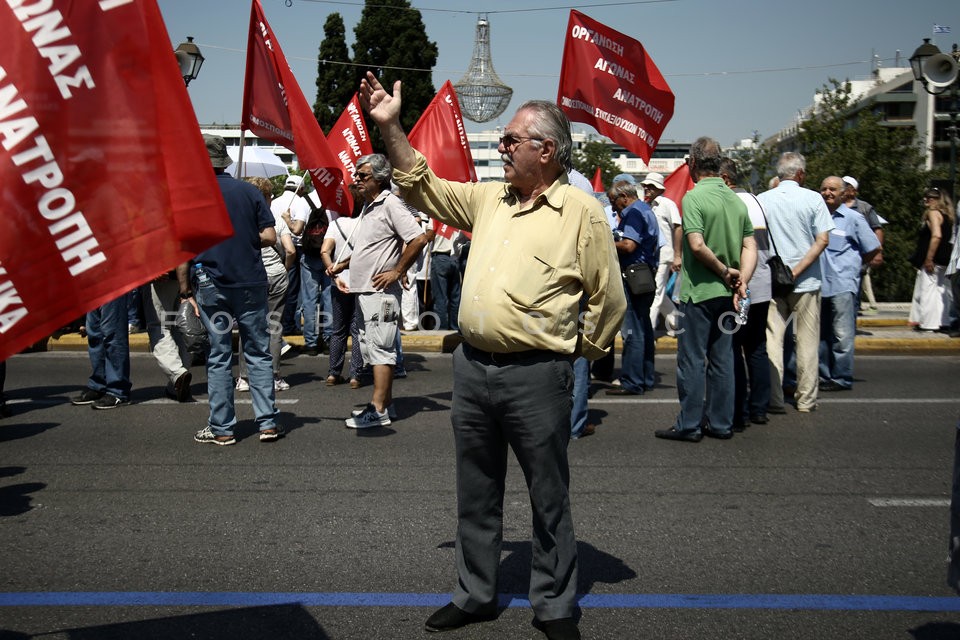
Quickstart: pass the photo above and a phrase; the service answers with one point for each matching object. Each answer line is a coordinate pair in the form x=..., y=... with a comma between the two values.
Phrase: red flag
x=608, y=81
x=676, y=185
x=598, y=182
x=274, y=107
x=105, y=178
x=349, y=141
x=442, y=139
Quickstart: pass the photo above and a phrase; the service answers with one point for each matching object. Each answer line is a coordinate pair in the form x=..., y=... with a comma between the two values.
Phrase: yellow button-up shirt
x=529, y=266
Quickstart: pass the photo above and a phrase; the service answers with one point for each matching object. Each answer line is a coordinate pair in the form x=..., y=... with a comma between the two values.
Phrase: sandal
x=333, y=381
x=354, y=383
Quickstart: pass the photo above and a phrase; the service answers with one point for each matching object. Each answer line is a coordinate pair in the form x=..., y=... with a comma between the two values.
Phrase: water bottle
x=744, y=309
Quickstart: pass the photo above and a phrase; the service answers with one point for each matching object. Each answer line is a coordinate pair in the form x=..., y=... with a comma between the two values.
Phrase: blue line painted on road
x=803, y=602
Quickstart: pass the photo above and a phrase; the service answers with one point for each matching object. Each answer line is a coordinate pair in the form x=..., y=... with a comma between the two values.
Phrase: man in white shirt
x=294, y=210
x=668, y=218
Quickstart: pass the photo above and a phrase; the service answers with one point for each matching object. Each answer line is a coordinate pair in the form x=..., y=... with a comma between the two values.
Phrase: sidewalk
x=885, y=330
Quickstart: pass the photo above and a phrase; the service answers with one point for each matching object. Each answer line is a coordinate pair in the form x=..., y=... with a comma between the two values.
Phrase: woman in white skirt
x=932, y=298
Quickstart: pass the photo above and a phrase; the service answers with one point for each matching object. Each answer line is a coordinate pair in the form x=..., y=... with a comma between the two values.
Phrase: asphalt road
x=115, y=524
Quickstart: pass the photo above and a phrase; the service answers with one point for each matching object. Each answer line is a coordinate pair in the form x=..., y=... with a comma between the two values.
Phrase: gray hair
x=728, y=167
x=379, y=167
x=705, y=155
x=551, y=124
x=624, y=188
x=790, y=164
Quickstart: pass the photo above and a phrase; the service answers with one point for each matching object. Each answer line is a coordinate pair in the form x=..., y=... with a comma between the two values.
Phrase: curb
x=446, y=342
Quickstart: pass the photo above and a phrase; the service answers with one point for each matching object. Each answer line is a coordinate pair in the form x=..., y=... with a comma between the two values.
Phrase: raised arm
x=384, y=110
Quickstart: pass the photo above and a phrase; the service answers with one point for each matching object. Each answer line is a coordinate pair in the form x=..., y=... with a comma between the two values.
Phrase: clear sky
x=735, y=66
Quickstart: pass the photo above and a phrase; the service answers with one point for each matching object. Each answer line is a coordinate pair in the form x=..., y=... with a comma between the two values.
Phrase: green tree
x=391, y=41
x=592, y=154
x=336, y=78
x=846, y=138
x=757, y=164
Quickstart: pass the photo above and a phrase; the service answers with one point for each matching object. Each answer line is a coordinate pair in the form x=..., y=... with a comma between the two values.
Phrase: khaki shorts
x=378, y=337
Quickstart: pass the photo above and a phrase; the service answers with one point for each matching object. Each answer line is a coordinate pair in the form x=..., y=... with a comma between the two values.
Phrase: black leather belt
x=441, y=253
x=513, y=357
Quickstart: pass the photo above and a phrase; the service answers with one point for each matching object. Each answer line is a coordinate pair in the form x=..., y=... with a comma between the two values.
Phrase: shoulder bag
x=640, y=279
x=782, y=281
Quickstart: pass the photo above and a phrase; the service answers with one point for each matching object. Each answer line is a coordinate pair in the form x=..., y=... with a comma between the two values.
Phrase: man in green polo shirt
x=719, y=255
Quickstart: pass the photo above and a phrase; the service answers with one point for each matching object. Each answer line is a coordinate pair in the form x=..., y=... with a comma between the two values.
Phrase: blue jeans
x=838, y=329
x=445, y=284
x=314, y=288
x=581, y=392
x=705, y=381
x=219, y=307
x=637, y=365
x=108, y=345
x=751, y=367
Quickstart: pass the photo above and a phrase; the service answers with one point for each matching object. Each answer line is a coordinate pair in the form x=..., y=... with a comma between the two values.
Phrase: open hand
x=380, y=105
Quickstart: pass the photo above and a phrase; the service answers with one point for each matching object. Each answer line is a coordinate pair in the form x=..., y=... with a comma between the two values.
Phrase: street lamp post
x=190, y=59
x=939, y=72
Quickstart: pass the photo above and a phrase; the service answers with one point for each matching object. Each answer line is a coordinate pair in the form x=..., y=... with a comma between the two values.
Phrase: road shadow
x=281, y=622
x=409, y=406
x=593, y=566
x=936, y=631
x=10, y=432
x=15, y=499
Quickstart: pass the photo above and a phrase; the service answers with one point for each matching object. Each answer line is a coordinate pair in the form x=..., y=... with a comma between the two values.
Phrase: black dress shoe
x=719, y=435
x=673, y=434
x=620, y=391
x=451, y=617
x=561, y=629
x=181, y=388
x=759, y=419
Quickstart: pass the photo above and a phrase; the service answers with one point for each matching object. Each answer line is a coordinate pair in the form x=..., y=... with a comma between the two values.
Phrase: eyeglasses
x=361, y=176
x=511, y=141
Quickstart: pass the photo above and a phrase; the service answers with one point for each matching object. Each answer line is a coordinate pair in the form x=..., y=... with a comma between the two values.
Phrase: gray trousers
x=161, y=301
x=525, y=406
x=276, y=298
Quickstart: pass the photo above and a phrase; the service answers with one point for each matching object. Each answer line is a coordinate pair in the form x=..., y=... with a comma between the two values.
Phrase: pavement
x=884, y=330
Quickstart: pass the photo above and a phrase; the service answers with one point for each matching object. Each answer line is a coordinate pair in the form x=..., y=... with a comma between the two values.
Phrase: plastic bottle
x=744, y=309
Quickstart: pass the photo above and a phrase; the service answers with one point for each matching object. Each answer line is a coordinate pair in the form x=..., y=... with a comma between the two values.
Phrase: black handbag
x=640, y=278
x=782, y=281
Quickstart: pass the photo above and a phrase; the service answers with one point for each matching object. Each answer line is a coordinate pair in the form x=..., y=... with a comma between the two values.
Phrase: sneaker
x=109, y=401
x=242, y=384
x=87, y=396
x=206, y=435
x=391, y=412
x=368, y=418
x=269, y=435
x=399, y=373
x=279, y=384
x=285, y=347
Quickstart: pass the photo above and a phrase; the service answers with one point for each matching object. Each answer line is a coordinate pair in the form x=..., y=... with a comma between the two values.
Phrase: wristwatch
x=185, y=295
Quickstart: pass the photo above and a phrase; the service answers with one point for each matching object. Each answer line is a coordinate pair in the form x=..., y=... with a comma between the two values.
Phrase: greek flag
x=939, y=28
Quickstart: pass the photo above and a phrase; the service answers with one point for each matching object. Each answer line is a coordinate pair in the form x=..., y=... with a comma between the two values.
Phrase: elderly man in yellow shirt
x=539, y=246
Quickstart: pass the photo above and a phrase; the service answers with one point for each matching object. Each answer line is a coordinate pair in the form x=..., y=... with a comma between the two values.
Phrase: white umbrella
x=256, y=162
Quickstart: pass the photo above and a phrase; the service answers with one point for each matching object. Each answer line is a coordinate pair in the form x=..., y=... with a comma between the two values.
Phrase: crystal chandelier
x=481, y=93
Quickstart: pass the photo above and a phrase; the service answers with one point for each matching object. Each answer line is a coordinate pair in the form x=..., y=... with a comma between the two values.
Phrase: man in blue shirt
x=798, y=226
x=637, y=239
x=852, y=243
x=231, y=285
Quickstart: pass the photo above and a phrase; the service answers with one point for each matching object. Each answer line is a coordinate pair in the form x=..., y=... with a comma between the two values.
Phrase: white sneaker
x=242, y=384
x=391, y=412
x=279, y=384
x=368, y=418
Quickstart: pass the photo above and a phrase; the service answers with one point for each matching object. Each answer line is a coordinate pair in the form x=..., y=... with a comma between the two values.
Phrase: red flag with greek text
x=442, y=139
x=105, y=179
x=349, y=140
x=608, y=80
x=275, y=109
